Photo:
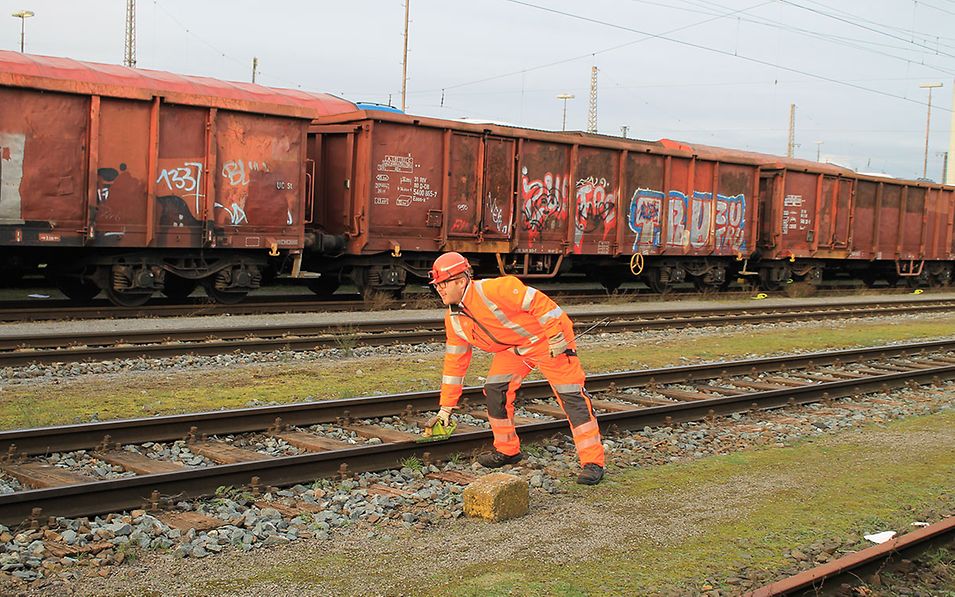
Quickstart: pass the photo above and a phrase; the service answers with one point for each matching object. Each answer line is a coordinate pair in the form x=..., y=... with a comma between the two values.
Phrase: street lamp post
x=23, y=15
x=565, y=97
x=928, y=123
x=818, y=149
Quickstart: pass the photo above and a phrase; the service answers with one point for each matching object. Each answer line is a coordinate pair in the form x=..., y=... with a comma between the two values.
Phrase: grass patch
x=705, y=519
x=667, y=529
x=166, y=392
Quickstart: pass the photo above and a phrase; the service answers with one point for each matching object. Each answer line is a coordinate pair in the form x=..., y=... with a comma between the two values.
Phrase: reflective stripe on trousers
x=566, y=378
x=505, y=436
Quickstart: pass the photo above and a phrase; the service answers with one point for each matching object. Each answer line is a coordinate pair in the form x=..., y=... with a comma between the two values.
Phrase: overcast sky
x=718, y=73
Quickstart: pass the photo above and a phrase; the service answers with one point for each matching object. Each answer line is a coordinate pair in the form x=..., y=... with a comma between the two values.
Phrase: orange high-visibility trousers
x=566, y=379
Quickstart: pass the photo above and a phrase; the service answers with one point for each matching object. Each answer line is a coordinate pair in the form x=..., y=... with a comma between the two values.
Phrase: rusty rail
x=62, y=309
x=28, y=349
x=826, y=579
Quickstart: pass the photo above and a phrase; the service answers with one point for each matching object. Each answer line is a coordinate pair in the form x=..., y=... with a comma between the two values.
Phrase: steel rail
x=67, y=310
x=11, y=311
x=119, y=494
x=664, y=317
x=828, y=578
x=40, y=440
x=77, y=347
x=55, y=310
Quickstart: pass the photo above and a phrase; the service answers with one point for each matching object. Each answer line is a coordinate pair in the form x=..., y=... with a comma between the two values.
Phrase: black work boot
x=591, y=474
x=496, y=460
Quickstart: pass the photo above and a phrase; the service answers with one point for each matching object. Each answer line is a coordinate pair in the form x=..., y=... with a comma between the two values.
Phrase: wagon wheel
x=868, y=279
x=611, y=284
x=800, y=289
x=656, y=284
x=78, y=289
x=127, y=299
x=939, y=280
x=324, y=286
x=178, y=288
x=222, y=296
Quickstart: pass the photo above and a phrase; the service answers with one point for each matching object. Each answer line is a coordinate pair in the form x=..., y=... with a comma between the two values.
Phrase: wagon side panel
x=118, y=211
x=889, y=217
x=544, y=197
x=735, y=209
x=913, y=242
x=182, y=175
x=864, y=222
x=464, y=183
x=595, y=205
x=798, y=215
x=44, y=140
x=258, y=201
x=406, y=174
x=645, y=202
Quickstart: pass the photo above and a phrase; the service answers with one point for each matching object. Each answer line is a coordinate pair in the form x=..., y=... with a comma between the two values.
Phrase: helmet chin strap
x=466, y=289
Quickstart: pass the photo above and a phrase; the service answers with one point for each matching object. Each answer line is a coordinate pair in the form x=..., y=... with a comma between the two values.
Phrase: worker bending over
x=524, y=329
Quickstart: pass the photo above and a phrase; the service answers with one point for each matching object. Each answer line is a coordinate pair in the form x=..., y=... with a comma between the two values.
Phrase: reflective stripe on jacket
x=495, y=315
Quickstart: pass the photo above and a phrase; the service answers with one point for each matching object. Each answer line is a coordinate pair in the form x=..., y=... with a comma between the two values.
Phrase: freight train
x=131, y=182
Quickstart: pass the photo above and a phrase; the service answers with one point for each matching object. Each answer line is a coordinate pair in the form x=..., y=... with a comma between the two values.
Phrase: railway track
x=859, y=568
x=384, y=427
x=26, y=349
x=61, y=309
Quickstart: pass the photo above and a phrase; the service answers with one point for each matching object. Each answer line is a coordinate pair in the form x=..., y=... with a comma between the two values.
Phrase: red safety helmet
x=447, y=266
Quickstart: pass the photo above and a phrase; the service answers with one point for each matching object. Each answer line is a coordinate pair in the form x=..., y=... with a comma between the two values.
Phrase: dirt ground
x=626, y=526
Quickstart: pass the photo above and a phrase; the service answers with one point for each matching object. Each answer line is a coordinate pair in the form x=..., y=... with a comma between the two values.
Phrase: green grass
x=168, y=392
x=826, y=489
x=669, y=529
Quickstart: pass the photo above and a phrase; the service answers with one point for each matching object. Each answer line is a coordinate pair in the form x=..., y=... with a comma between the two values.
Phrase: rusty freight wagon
x=131, y=181
x=393, y=190
x=819, y=219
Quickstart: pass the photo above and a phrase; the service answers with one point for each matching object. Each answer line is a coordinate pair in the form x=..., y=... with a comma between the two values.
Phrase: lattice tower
x=129, y=55
x=791, y=146
x=592, y=111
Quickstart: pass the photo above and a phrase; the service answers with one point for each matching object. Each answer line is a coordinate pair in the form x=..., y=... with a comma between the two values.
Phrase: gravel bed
x=332, y=431
x=407, y=311
x=52, y=373
x=466, y=419
x=9, y=485
x=265, y=444
x=177, y=451
x=359, y=504
x=395, y=423
x=84, y=463
x=369, y=504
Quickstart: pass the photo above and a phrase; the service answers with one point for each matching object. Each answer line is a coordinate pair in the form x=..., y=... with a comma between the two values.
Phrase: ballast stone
x=496, y=497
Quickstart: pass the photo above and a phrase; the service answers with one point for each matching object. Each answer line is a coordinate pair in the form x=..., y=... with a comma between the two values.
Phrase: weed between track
x=139, y=394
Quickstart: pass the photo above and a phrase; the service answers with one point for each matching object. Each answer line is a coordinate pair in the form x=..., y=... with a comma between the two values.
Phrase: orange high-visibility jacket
x=496, y=315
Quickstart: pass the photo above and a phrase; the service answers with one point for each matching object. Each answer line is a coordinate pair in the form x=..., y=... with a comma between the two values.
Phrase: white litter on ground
x=880, y=537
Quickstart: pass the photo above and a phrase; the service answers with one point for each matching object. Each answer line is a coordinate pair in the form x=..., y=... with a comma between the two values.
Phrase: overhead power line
x=690, y=44
x=862, y=19
x=706, y=7
x=594, y=53
x=244, y=63
x=861, y=26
